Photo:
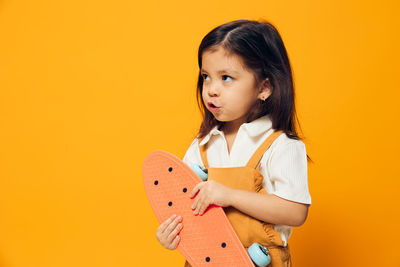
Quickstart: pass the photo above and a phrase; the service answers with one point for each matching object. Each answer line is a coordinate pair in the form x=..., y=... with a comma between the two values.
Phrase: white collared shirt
x=283, y=165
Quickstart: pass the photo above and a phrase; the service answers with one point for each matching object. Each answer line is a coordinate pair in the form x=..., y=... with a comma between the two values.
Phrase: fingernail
x=179, y=217
x=173, y=216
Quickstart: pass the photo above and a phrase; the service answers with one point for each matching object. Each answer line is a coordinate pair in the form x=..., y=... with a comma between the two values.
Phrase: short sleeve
x=288, y=172
x=192, y=155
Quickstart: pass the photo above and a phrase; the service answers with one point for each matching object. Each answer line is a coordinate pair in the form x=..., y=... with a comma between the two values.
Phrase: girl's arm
x=268, y=208
x=265, y=207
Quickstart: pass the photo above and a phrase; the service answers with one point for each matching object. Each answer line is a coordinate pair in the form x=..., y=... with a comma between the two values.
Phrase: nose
x=213, y=90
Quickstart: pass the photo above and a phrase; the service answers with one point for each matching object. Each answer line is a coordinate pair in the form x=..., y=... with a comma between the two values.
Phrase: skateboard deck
x=205, y=240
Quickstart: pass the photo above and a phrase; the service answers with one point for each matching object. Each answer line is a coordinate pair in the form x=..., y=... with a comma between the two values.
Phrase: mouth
x=211, y=105
x=213, y=108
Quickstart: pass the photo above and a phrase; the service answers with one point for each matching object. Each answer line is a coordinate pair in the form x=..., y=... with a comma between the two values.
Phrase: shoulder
x=284, y=167
x=283, y=142
x=192, y=155
x=285, y=149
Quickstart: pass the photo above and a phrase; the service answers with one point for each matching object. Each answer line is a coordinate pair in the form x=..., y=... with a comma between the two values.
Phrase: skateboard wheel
x=259, y=255
x=196, y=168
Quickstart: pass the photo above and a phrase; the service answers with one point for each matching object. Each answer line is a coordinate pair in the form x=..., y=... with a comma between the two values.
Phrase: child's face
x=229, y=90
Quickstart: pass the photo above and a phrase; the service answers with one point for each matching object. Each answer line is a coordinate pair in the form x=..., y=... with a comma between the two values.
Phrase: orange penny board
x=205, y=240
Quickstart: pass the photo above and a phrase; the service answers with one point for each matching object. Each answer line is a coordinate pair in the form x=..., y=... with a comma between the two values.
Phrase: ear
x=265, y=89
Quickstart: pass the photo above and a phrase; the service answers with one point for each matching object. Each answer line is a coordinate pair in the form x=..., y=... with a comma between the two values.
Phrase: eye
x=226, y=76
x=204, y=76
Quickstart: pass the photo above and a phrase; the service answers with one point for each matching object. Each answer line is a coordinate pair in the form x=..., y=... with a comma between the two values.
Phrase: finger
x=205, y=202
x=195, y=203
x=199, y=204
x=196, y=189
x=203, y=207
x=165, y=224
x=174, y=233
x=175, y=242
x=197, y=200
x=172, y=226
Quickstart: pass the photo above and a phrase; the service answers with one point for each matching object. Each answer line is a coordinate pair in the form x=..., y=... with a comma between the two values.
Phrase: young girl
x=256, y=163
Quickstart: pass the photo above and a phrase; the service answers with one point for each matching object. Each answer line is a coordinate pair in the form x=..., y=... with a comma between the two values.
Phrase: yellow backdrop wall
x=89, y=88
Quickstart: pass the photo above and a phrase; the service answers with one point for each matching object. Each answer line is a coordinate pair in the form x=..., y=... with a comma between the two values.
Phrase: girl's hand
x=167, y=232
x=210, y=192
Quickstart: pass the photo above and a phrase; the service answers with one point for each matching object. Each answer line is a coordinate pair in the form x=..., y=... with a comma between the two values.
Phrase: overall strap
x=256, y=158
x=203, y=153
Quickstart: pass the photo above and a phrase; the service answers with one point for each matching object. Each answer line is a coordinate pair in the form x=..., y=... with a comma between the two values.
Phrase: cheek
x=203, y=97
x=203, y=94
x=237, y=98
x=242, y=101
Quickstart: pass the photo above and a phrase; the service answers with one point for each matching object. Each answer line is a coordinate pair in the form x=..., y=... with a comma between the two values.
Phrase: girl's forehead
x=220, y=59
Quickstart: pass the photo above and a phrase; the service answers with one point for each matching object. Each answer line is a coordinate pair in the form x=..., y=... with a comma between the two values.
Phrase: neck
x=231, y=127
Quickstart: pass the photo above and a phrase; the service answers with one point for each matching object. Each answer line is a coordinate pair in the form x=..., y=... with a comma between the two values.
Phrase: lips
x=213, y=108
x=212, y=105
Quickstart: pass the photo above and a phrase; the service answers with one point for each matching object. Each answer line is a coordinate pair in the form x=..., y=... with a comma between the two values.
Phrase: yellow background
x=89, y=88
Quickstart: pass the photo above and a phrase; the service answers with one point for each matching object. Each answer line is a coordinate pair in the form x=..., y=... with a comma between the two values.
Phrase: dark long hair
x=261, y=48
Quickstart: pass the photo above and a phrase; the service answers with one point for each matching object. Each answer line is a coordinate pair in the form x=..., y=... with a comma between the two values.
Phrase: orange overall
x=249, y=229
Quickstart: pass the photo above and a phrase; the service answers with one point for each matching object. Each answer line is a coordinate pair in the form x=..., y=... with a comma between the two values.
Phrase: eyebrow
x=223, y=71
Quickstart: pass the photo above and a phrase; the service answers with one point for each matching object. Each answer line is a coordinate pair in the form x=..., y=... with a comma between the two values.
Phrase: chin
x=220, y=118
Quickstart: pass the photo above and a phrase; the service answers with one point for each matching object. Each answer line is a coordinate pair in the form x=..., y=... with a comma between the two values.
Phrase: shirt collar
x=214, y=131
x=253, y=129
